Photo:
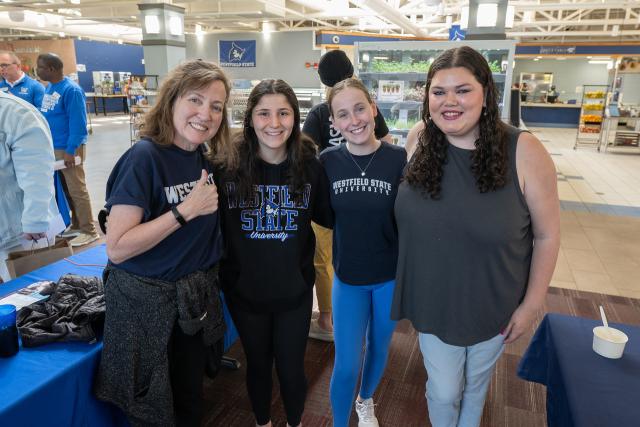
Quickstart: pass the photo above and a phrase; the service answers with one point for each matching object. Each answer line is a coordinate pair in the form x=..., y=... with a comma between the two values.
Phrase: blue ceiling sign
x=457, y=33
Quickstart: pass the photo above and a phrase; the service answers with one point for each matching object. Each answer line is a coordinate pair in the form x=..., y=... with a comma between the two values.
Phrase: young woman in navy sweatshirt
x=271, y=189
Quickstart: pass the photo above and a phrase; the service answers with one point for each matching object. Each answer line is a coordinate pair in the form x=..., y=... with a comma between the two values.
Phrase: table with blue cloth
x=583, y=388
x=52, y=385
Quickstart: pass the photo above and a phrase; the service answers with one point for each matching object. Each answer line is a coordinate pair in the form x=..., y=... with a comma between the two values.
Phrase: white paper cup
x=609, y=342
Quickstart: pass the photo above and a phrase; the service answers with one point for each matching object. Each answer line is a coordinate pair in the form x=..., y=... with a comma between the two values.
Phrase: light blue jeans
x=458, y=379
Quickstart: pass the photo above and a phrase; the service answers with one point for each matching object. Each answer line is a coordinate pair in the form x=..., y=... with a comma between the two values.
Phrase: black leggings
x=187, y=359
x=281, y=336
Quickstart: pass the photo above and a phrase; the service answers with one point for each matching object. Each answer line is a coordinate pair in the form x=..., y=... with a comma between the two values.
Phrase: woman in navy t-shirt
x=364, y=175
x=164, y=242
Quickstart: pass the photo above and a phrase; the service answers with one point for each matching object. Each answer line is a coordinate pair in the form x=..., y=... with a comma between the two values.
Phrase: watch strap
x=178, y=215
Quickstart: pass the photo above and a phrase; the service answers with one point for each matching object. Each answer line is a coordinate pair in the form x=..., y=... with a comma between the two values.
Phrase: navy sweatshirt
x=269, y=243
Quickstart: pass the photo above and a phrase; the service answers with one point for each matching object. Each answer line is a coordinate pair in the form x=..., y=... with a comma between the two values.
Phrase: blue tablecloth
x=583, y=388
x=52, y=385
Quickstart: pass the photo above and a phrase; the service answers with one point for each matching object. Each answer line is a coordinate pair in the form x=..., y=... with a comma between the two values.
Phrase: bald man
x=16, y=82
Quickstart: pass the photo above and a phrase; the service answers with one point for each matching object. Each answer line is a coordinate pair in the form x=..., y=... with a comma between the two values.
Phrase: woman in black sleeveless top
x=477, y=195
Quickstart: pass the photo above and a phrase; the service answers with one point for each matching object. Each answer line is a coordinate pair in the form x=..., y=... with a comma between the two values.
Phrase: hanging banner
x=237, y=53
x=457, y=33
x=557, y=50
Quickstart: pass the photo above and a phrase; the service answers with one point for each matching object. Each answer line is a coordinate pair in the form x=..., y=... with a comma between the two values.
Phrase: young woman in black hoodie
x=272, y=187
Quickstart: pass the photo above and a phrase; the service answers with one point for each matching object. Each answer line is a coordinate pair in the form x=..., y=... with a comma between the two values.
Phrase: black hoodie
x=267, y=264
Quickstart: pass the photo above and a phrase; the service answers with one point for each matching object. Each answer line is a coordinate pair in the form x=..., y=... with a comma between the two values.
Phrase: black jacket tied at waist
x=141, y=314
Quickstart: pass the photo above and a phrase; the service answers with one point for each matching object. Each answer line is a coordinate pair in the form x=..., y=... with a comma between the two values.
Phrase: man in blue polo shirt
x=64, y=108
x=16, y=82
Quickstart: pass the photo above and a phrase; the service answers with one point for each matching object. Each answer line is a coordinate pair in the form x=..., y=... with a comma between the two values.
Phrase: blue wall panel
x=550, y=116
x=102, y=56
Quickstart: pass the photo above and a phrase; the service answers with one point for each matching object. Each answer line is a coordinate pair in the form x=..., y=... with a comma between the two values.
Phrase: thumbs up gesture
x=203, y=199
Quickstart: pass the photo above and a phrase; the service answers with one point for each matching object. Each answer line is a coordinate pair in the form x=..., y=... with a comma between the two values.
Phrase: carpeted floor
x=400, y=395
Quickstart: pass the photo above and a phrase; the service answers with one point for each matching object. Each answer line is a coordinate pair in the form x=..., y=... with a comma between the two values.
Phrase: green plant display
x=415, y=67
x=495, y=67
x=398, y=124
x=400, y=67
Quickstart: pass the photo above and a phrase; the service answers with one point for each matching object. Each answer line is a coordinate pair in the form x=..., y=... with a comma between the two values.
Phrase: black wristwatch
x=178, y=215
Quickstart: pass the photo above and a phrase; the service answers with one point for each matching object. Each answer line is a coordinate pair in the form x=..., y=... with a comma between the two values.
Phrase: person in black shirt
x=364, y=175
x=479, y=230
x=334, y=66
x=271, y=189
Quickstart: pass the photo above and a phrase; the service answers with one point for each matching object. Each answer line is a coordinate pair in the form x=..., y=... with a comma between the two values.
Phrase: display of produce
x=591, y=118
x=400, y=67
x=589, y=129
x=598, y=94
x=592, y=109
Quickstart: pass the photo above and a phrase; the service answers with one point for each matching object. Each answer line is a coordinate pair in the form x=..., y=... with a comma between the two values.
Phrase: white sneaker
x=70, y=232
x=316, y=332
x=366, y=415
x=83, y=239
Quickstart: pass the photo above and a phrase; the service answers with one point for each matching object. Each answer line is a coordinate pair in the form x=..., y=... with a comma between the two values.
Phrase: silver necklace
x=363, y=172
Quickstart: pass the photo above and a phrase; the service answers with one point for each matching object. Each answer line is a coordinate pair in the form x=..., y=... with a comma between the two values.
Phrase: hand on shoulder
x=412, y=138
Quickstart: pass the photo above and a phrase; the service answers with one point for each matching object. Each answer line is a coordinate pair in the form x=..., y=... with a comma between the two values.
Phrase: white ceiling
x=535, y=20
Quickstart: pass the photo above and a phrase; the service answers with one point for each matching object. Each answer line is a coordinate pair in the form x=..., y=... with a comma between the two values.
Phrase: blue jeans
x=359, y=312
x=458, y=379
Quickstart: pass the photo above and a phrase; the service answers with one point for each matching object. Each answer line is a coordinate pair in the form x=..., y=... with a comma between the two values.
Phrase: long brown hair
x=489, y=159
x=300, y=148
x=191, y=75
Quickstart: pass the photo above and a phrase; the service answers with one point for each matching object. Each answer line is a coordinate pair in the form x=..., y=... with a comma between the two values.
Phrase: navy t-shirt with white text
x=365, y=237
x=155, y=178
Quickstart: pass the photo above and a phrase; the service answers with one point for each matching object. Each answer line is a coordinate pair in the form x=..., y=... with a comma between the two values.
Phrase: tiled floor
x=600, y=199
x=599, y=192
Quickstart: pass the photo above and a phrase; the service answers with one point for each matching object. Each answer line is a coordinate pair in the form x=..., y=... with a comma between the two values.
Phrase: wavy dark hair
x=489, y=159
x=300, y=148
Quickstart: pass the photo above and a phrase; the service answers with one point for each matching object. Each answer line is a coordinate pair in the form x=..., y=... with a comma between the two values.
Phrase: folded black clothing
x=74, y=312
